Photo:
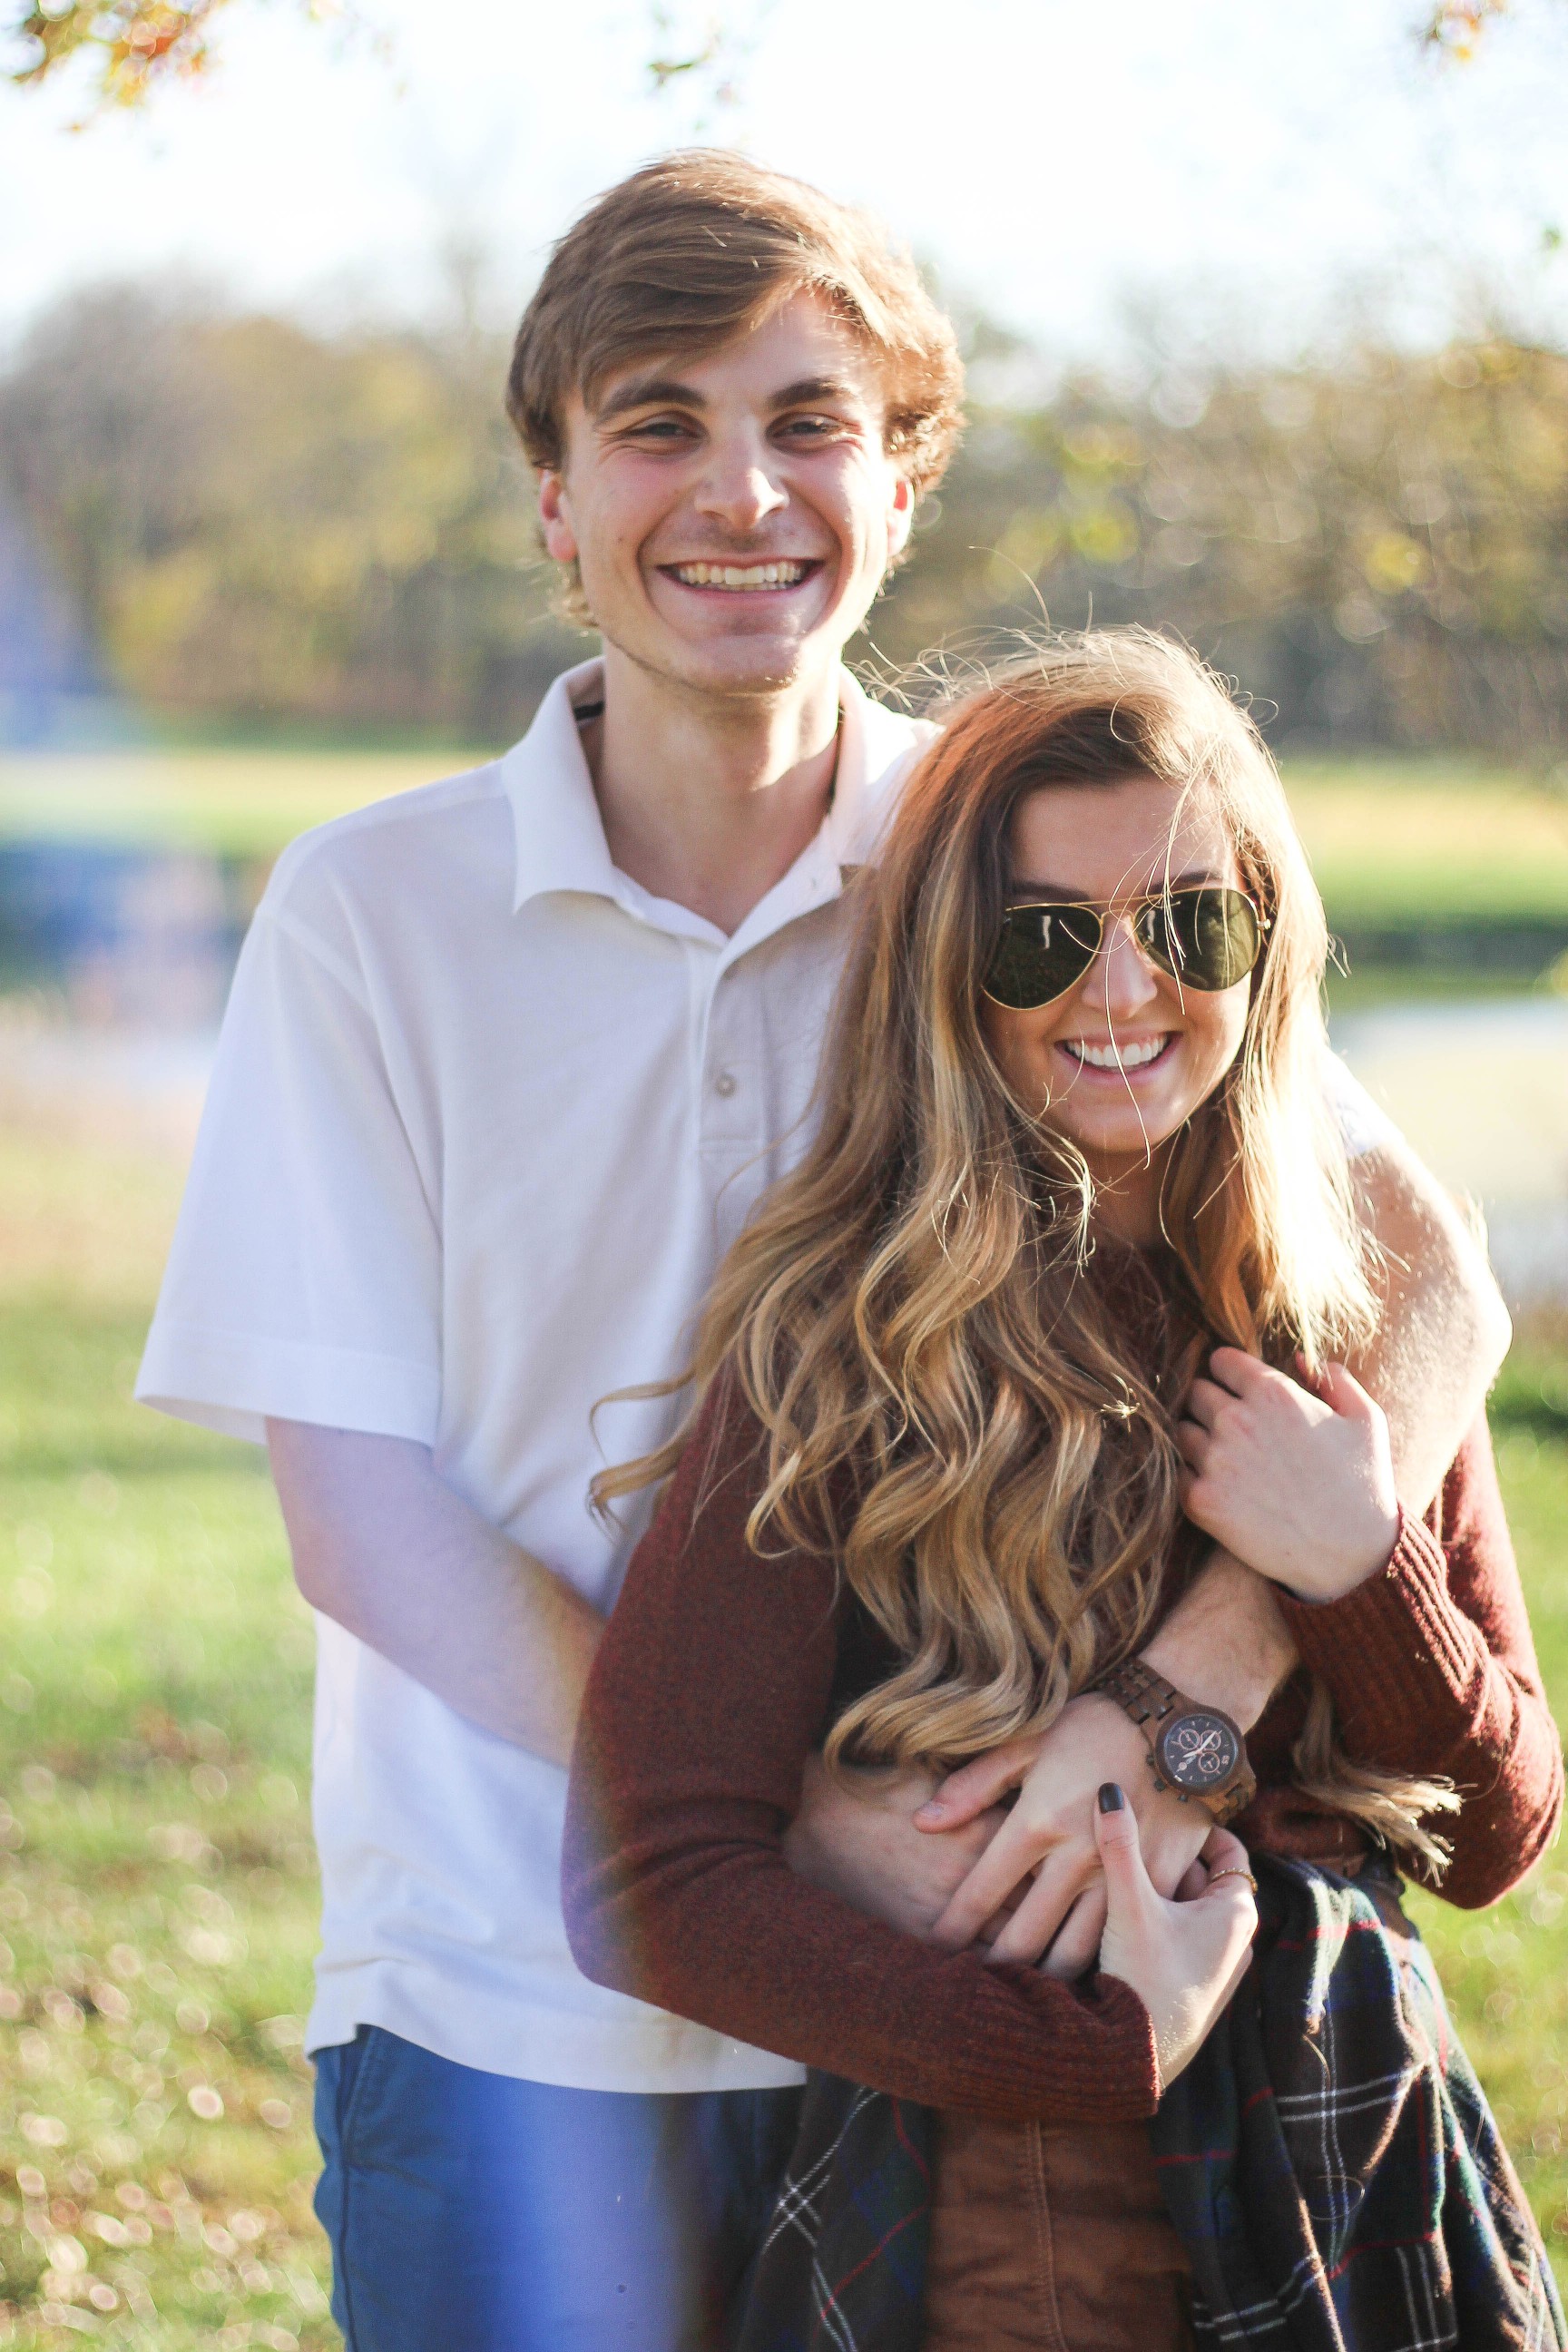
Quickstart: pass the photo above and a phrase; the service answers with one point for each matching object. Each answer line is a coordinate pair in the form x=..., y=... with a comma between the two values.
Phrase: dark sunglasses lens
x=1209, y=939
x=1042, y=953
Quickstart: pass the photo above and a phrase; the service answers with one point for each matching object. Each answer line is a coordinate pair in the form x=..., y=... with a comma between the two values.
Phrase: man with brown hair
x=507, y=1062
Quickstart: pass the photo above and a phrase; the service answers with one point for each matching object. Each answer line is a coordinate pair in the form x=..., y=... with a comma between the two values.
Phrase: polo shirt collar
x=559, y=836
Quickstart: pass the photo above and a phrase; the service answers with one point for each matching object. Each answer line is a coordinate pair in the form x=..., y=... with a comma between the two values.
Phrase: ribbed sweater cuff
x=1397, y=1650
x=1107, y=2070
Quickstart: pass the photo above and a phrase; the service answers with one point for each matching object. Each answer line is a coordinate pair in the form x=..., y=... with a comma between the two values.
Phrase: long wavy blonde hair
x=955, y=1408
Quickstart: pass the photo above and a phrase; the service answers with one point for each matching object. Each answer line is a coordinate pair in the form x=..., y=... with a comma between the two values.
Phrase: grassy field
x=1414, y=844
x=242, y=803
x=157, y=1892
x=157, y=1895
x=1393, y=842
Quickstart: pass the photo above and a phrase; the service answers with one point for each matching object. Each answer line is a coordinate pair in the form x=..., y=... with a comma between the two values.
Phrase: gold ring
x=1233, y=1870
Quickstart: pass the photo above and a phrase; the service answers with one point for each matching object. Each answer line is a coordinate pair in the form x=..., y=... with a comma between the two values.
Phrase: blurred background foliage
x=131, y=46
x=1378, y=548
x=257, y=522
x=264, y=524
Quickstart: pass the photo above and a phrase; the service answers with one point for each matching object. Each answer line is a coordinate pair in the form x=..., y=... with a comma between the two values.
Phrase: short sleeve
x=304, y=1281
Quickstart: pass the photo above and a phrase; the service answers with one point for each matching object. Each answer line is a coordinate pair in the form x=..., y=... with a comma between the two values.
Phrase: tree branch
x=131, y=44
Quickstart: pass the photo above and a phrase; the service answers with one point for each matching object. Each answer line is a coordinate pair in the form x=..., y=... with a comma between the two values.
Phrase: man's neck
x=709, y=800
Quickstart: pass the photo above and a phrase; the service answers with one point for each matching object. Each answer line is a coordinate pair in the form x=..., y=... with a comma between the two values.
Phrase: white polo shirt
x=485, y=1117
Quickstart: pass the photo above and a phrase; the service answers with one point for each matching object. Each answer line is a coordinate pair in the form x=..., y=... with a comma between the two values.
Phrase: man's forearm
x=383, y=1544
x=1445, y=1329
x=1226, y=1641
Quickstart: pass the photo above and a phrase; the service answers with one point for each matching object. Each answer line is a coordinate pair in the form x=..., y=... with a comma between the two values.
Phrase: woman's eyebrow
x=1062, y=894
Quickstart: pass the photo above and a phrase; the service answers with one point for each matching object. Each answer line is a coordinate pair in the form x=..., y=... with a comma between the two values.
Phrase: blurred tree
x=1378, y=549
x=130, y=47
x=128, y=44
x=1455, y=26
x=262, y=523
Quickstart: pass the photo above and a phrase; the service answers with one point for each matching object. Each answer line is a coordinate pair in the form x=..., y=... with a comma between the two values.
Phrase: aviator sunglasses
x=1208, y=938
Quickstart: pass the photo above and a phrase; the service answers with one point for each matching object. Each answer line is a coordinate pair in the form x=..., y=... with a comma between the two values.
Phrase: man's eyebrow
x=813, y=387
x=648, y=392
x=667, y=391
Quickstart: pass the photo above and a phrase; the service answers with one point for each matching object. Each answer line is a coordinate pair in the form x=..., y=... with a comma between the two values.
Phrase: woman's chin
x=1114, y=1146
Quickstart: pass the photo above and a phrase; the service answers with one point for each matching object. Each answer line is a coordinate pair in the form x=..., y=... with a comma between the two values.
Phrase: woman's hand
x=1044, y=1859
x=1183, y=1960
x=1297, y=1481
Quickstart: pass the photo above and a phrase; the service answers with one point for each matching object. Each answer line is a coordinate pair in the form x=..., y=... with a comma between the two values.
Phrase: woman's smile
x=1117, y=1056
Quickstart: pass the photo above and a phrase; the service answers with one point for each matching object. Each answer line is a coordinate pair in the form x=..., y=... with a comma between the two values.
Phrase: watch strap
x=1144, y=1694
x=1151, y=1702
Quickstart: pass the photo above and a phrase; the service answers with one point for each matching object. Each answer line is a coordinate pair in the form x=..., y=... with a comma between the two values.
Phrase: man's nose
x=739, y=487
x=1125, y=975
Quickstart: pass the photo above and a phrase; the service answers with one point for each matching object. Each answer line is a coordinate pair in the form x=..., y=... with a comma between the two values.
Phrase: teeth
x=1116, y=1057
x=783, y=574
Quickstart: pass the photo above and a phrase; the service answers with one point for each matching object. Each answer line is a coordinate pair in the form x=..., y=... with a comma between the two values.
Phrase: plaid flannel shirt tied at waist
x=1329, y=2158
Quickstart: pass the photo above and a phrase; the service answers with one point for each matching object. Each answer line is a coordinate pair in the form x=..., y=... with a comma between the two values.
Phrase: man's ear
x=900, y=517
x=555, y=515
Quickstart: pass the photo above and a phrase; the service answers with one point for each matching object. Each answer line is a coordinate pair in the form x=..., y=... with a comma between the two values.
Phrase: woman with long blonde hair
x=1072, y=1263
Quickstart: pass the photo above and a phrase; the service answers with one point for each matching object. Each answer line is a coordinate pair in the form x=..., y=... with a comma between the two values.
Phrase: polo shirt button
x=725, y=1083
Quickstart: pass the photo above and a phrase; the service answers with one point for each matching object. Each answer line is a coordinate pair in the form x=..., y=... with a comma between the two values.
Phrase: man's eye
x=660, y=428
x=812, y=428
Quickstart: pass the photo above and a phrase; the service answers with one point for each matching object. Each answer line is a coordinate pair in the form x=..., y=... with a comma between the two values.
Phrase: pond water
x=1481, y=1090
x=115, y=962
x=134, y=938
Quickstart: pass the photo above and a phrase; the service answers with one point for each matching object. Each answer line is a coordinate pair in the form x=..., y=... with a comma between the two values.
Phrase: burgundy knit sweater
x=721, y=1672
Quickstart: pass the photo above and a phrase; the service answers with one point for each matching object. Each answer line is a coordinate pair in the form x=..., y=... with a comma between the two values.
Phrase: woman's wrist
x=1343, y=1572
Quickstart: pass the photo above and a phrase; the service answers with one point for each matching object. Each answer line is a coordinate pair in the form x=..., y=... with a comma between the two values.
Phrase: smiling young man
x=507, y=1063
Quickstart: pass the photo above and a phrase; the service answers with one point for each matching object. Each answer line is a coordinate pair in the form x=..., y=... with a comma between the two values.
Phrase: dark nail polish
x=1111, y=1797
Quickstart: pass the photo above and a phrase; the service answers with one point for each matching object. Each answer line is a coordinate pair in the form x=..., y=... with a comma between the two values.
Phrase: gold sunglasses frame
x=1128, y=910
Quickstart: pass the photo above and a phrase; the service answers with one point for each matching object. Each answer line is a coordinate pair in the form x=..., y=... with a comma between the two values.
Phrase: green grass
x=1371, y=987
x=1393, y=843
x=158, y=1899
x=1416, y=845
x=1506, y=1971
x=157, y=1885
x=243, y=803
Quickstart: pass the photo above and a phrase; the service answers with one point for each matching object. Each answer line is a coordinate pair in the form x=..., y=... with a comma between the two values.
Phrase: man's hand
x=1049, y=1835
x=1297, y=1481
x=854, y=1836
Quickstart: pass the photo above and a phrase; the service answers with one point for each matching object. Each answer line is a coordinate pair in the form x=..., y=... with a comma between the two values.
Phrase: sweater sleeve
x=709, y=1689
x=1433, y=1670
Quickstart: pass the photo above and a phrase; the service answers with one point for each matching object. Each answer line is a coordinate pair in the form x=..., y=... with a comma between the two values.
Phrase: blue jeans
x=471, y=2212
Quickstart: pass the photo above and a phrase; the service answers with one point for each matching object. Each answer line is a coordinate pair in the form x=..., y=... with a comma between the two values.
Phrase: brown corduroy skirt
x=1051, y=2238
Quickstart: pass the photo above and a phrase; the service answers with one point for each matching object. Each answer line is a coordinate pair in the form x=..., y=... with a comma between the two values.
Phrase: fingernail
x=1111, y=1797
x=931, y=1810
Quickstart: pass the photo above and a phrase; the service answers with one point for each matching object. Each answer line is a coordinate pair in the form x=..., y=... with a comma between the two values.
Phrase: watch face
x=1198, y=1751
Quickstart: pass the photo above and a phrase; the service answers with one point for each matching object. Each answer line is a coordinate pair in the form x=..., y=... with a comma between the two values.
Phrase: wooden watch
x=1194, y=1751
